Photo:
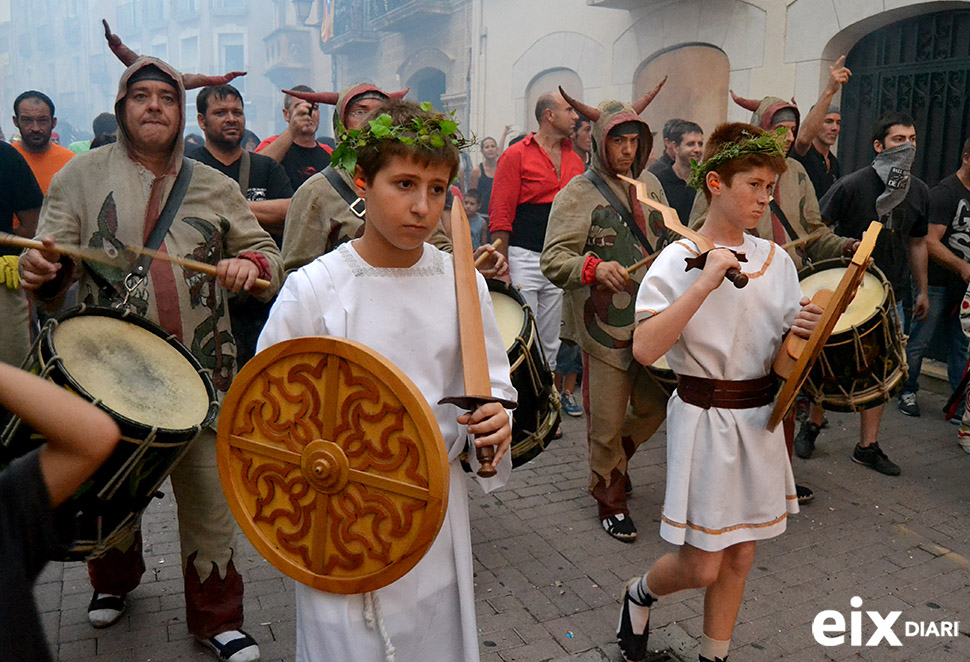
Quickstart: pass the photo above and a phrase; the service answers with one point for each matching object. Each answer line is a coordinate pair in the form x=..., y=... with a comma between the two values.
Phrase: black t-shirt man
x=301, y=163
x=18, y=191
x=822, y=176
x=267, y=181
x=679, y=195
x=950, y=206
x=850, y=205
x=267, y=178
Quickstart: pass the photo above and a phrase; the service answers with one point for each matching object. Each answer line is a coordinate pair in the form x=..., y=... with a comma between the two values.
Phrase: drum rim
x=46, y=339
x=843, y=262
x=514, y=294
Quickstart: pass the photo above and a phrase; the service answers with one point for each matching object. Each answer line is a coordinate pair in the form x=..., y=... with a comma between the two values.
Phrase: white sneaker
x=105, y=609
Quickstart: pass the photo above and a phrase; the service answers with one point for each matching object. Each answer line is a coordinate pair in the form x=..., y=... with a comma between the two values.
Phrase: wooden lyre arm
x=797, y=355
x=672, y=223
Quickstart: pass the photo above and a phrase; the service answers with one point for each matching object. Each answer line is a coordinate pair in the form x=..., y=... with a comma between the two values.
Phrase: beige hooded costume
x=105, y=199
x=623, y=402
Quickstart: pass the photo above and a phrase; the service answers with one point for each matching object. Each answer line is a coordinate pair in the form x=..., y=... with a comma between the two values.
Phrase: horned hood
x=763, y=112
x=124, y=137
x=612, y=113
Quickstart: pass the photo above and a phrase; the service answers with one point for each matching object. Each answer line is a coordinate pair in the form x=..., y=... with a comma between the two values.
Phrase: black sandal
x=632, y=645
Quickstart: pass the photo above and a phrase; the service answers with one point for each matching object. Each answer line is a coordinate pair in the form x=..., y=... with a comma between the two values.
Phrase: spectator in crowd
x=820, y=130
x=583, y=139
x=33, y=115
x=948, y=272
x=687, y=139
x=669, y=155
x=482, y=176
x=888, y=192
x=103, y=124
x=297, y=148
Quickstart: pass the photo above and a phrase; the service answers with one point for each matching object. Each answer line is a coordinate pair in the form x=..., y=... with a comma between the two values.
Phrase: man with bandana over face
x=111, y=197
x=597, y=229
x=888, y=193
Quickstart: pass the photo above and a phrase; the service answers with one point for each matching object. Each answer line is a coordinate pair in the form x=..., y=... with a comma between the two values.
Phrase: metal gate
x=920, y=66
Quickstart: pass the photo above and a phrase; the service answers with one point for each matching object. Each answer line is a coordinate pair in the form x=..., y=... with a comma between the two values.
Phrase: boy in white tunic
x=395, y=293
x=729, y=480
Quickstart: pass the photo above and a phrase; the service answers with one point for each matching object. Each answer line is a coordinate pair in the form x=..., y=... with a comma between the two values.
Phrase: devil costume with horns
x=320, y=218
x=623, y=402
x=794, y=212
x=106, y=198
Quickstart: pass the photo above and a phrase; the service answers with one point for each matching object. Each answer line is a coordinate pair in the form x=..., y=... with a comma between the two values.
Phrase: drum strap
x=780, y=215
x=165, y=219
x=347, y=193
x=619, y=208
x=164, y=222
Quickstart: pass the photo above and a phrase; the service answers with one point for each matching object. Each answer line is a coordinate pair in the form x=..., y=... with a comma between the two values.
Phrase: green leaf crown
x=432, y=132
x=769, y=143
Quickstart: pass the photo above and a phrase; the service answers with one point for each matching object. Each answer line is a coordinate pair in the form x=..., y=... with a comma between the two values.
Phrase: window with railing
x=350, y=16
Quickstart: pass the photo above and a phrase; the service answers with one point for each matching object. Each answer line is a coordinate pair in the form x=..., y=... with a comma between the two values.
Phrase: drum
x=535, y=420
x=157, y=393
x=660, y=370
x=863, y=364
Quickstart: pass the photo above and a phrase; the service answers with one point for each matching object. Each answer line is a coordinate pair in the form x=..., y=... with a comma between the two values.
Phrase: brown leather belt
x=743, y=394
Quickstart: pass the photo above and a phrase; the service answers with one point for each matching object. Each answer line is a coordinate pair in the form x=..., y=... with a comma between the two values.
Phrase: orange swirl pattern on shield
x=333, y=464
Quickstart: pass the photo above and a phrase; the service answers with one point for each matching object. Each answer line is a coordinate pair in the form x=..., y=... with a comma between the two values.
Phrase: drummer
x=597, y=229
x=111, y=197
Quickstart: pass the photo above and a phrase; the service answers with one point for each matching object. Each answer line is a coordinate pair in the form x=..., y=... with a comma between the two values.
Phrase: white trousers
x=543, y=297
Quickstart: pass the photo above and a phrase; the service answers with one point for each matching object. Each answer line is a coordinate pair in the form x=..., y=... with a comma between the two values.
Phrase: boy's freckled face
x=748, y=196
x=405, y=202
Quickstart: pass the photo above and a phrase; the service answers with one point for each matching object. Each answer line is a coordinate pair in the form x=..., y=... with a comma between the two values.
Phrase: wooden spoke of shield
x=332, y=463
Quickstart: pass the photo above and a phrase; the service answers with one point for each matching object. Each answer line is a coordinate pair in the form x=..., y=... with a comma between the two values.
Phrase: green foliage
x=432, y=132
x=771, y=144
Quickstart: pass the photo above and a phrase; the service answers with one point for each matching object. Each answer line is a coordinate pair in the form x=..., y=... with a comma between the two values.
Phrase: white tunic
x=729, y=480
x=410, y=316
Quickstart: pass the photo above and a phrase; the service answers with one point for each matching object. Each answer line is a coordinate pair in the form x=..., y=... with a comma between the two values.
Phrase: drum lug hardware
x=131, y=284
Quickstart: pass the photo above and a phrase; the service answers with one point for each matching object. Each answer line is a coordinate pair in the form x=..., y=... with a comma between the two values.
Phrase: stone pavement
x=547, y=576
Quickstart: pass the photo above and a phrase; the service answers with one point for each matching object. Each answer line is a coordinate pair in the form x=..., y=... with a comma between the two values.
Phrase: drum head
x=132, y=371
x=333, y=464
x=862, y=308
x=509, y=312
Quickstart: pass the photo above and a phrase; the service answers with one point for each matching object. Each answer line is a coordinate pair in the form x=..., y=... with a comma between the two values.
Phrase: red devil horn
x=192, y=81
x=748, y=104
x=329, y=98
x=399, y=94
x=123, y=53
x=793, y=101
x=590, y=113
x=641, y=104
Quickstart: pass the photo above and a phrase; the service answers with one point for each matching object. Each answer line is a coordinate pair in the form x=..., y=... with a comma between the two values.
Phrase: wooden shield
x=332, y=463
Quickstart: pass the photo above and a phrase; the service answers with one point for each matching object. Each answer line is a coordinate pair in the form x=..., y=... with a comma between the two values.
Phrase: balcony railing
x=352, y=29
x=401, y=15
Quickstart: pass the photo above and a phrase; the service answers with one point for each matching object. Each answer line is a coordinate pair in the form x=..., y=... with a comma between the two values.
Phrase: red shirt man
x=528, y=176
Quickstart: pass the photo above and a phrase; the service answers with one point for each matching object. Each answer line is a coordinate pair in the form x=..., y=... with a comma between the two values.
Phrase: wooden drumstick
x=471, y=334
x=642, y=263
x=804, y=240
x=79, y=252
x=484, y=256
x=194, y=265
x=101, y=257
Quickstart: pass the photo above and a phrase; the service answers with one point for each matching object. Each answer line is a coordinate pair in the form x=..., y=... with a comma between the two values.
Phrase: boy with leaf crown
x=729, y=480
x=395, y=293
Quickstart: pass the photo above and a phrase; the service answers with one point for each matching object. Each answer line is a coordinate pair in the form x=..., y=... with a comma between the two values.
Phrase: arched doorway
x=696, y=90
x=549, y=81
x=428, y=85
x=920, y=66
